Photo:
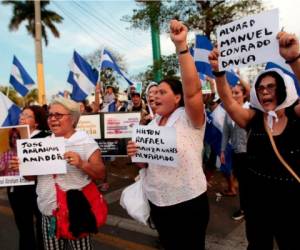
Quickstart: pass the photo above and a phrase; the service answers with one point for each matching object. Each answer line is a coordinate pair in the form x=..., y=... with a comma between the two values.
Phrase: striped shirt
x=81, y=143
x=4, y=164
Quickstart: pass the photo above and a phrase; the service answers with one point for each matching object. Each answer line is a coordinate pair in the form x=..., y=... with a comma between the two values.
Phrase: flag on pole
x=203, y=47
x=10, y=112
x=287, y=70
x=107, y=61
x=19, y=78
x=213, y=135
x=82, y=77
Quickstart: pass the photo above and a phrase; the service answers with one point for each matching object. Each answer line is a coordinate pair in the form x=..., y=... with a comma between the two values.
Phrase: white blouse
x=81, y=143
x=166, y=186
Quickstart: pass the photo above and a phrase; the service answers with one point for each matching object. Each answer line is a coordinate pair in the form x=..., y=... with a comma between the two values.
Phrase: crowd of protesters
x=177, y=196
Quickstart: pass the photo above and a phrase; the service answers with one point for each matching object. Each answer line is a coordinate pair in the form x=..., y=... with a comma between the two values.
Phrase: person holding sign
x=272, y=183
x=177, y=195
x=23, y=199
x=84, y=164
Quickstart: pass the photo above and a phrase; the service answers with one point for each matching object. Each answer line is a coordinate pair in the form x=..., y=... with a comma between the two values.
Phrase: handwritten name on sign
x=156, y=145
x=41, y=156
x=248, y=41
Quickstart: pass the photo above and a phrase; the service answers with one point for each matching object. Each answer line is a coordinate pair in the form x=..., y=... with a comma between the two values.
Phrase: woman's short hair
x=280, y=91
x=150, y=85
x=70, y=105
x=176, y=87
x=40, y=116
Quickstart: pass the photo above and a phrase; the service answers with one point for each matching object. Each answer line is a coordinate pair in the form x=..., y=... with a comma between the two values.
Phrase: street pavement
x=122, y=232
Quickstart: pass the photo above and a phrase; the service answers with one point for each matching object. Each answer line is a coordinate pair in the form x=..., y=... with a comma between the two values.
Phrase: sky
x=89, y=25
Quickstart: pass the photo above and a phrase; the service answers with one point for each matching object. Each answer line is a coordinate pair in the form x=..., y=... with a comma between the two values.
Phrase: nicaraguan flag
x=107, y=61
x=82, y=77
x=213, y=135
x=232, y=78
x=287, y=70
x=19, y=78
x=9, y=115
x=202, y=49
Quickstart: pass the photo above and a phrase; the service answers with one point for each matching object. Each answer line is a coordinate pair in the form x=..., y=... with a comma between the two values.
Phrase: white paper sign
x=41, y=156
x=249, y=41
x=91, y=125
x=120, y=125
x=156, y=145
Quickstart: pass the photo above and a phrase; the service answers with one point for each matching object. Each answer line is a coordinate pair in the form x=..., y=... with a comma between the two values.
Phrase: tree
x=206, y=16
x=24, y=11
x=201, y=15
x=168, y=65
x=107, y=76
x=30, y=98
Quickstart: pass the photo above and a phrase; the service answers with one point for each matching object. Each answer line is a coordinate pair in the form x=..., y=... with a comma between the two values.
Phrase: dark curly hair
x=176, y=87
x=40, y=116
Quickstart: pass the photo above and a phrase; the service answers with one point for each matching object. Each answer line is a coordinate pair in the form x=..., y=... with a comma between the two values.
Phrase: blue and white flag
x=232, y=78
x=287, y=70
x=9, y=115
x=201, y=51
x=82, y=77
x=107, y=61
x=203, y=47
x=214, y=133
x=19, y=78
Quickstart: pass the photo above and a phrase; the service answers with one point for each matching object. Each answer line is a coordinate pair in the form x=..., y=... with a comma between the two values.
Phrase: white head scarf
x=291, y=96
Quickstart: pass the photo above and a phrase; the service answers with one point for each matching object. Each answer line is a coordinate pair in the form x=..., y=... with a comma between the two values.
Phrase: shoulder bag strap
x=284, y=163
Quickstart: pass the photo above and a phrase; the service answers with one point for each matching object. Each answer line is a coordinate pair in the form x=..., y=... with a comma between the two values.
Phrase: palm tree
x=24, y=11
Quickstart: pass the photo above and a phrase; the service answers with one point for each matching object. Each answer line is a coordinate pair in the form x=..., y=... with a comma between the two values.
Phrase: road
x=121, y=232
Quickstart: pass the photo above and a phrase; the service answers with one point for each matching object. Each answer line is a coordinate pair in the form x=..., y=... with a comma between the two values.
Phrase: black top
x=262, y=159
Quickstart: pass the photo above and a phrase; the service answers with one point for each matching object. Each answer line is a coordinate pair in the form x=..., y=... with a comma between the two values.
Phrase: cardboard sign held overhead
x=248, y=41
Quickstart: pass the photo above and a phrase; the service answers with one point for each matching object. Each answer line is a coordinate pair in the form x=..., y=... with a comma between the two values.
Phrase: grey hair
x=70, y=105
x=150, y=85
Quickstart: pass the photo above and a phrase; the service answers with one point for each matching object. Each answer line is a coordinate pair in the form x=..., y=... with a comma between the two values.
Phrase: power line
x=109, y=15
x=87, y=30
x=106, y=24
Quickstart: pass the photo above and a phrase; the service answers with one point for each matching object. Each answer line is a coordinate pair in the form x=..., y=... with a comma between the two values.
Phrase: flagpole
x=39, y=53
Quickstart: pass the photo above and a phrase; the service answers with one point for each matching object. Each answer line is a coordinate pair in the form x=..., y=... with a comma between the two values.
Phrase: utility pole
x=156, y=51
x=155, y=39
x=39, y=53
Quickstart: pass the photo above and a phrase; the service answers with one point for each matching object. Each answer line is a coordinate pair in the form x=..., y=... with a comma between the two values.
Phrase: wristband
x=218, y=73
x=184, y=51
x=292, y=60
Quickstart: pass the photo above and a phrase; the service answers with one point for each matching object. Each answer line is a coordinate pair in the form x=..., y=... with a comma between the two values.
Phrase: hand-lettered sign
x=248, y=41
x=41, y=156
x=156, y=145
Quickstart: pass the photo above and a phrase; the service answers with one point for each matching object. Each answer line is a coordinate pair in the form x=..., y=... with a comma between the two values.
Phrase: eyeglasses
x=269, y=87
x=57, y=116
x=26, y=116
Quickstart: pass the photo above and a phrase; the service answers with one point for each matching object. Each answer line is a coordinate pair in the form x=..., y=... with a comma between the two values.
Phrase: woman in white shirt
x=177, y=195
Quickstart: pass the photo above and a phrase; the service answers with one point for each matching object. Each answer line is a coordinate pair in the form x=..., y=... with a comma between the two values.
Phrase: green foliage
x=169, y=66
x=24, y=11
x=13, y=95
x=203, y=16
